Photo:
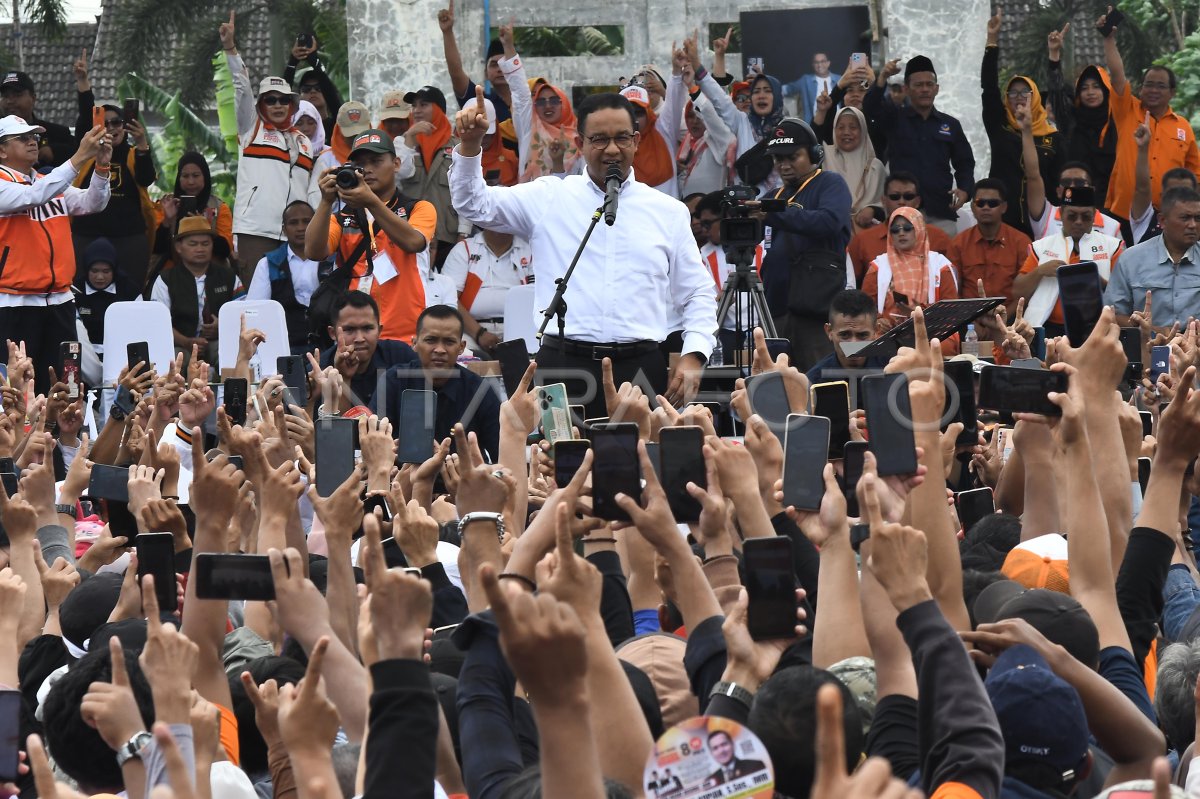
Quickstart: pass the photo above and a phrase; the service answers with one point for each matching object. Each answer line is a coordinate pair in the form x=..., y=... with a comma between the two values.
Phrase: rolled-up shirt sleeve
x=504, y=209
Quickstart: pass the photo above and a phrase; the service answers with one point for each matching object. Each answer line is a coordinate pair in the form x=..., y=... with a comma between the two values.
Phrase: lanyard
x=803, y=186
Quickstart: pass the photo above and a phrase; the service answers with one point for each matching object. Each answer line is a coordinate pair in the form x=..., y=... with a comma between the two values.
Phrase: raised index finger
x=871, y=500
x=312, y=675
x=480, y=108
x=150, y=606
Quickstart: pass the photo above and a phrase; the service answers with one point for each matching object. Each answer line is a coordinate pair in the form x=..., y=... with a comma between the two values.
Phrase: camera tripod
x=744, y=281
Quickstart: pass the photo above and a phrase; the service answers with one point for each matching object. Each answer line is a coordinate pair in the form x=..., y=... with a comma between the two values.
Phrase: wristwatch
x=482, y=516
x=734, y=691
x=67, y=510
x=133, y=747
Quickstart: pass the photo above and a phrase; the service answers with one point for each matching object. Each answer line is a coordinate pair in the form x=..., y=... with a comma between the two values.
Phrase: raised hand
x=445, y=18
x=110, y=707
x=872, y=780
x=471, y=126
x=898, y=554
x=308, y=721
x=401, y=604
x=1054, y=42
x=169, y=661
x=721, y=45
x=993, y=27
x=227, y=32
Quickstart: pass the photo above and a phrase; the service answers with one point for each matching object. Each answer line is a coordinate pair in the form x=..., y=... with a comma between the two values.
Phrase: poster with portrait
x=709, y=757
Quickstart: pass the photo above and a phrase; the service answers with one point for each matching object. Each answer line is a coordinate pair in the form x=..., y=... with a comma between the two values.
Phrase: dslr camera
x=740, y=231
x=348, y=175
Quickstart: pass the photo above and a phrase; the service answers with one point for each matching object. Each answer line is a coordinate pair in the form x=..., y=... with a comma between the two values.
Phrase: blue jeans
x=1181, y=595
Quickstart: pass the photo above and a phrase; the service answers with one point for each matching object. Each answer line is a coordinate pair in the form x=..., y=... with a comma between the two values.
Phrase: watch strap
x=134, y=747
x=483, y=516
x=734, y=691
x=68, y=510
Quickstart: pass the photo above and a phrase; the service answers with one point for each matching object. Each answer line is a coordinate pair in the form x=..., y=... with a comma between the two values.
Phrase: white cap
x=487, y=107
x=636, y=94
x=13, y=125
x=896, y=80
x=275, y=84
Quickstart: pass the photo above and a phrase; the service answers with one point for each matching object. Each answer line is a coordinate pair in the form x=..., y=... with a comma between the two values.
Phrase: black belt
x=596, y=351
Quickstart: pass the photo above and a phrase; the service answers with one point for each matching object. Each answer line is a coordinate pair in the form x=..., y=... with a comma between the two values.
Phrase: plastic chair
x=520, y=316
x=267, y=316
x=137, y=320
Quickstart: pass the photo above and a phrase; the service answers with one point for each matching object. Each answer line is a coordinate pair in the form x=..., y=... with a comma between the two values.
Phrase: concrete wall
x=397, y=43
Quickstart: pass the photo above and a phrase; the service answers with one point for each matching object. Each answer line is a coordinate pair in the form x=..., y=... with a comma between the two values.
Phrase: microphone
x=612, y=187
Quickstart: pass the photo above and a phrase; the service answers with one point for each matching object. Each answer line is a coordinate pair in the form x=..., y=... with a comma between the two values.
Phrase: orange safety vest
x=37, y=255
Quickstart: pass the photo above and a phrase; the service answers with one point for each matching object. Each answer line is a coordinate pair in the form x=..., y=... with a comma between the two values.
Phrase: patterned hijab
x=910, y=269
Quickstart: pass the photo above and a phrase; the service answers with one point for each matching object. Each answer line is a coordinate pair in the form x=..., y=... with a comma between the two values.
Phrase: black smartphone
x=1143, y=474
x=377, y=501
x=131, y=110
x=304, y=39
x=568, y=457
x=10, y=735
x=1002, y=388
x=770, y=586
x=295, y=381
x=237, y=460
x=156, y=557
x=1131, y=343
x=109, y=482
x=1082, y=298
x=236, y=392
x=417, y=410
x=654, y=455
x=70, y=361
x=616, y=469
x=188, y=205
x=973, y=505
x=1147, y=423
x=805, y=452
x=10, y=481
x=889, y=423
x=226, y=575
x=681, y=460
x=768, y=398
x=852, y=468
x=1160, y=361
x=335, y=455
x=393, y=556
x=832, y=400
x=137, y=352
x=960, y=401
x=772, y=205
x=514, y=360
x=778, y=346
x=1111, y=20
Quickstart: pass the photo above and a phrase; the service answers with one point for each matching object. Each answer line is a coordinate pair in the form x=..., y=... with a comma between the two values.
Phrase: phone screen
x=109, y=482
x=770, y=587
x=1144, y=473
x=1147, y=423
x=1131, y=344
x=805, y=452
x=768, y=398
x=960, y=397
x=615, y=469
x=235, y=394
x=393, y=556
x=417, y=415
x=681, y=458
x=131, y=110
x=832, y=400
x=852, y=469
x=137, y=352
x=1160, y=362
x=223, y=575
x=156, y=557
x=71, y=360
x=973, y=505
x=568, y=457
x=335, y=455
x=514, y=360
x=1003, y=388
x=10, y=735
x=1082, y=299
x=889, y=423
x=295, y=381
x=187, y=205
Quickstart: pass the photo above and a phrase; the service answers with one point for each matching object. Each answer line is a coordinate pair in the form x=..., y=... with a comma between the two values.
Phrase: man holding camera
x=375, y=217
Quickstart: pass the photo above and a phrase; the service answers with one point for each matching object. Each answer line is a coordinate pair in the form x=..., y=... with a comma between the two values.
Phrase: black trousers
x=43, y=329
x=583, y=376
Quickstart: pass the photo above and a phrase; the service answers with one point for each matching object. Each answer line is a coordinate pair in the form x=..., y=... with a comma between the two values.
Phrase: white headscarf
x=309, y=110
x=861, y=170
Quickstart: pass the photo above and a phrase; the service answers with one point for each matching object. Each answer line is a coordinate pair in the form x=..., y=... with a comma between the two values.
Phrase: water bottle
x=718, y=356
x=970, y=343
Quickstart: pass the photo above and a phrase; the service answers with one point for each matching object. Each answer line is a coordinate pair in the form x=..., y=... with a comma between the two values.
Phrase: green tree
x=48, y=16
x=576, y=40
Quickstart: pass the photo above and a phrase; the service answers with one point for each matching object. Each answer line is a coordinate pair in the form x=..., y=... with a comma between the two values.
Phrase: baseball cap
x=488, y=108
x=430, y=93
x=789, y=136
x=1040, y=562
x=1041, y=716
x=19, y=81
x=738, y=87
x=372, y=141
x=193, y=225
x=637, y=95
x=1059, y=617
x=858, y=674
x=353, y=118
x=394, y=107
x=13, y=125
x=272, y=83
x=1077, y=196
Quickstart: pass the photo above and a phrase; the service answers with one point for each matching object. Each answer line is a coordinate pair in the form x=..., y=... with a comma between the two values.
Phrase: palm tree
x=49, y=16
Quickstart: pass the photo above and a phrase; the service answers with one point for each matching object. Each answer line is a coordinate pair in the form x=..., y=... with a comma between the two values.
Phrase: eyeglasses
x=546, y=102
x=705, y=224
x=276, y=99
x=741, y=97
x=310, y=88
x=989, y=203
x=896, y=230
x=24, y=138
x=1153, y=84
x=622, y=140
x=907, y=196
x=113, y=124
x=1018, y=93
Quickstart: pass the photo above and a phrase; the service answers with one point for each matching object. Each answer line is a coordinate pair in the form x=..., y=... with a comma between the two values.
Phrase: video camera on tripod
x=741, y=232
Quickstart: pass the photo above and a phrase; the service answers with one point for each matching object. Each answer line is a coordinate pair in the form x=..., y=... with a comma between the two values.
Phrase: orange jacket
x=37, y=255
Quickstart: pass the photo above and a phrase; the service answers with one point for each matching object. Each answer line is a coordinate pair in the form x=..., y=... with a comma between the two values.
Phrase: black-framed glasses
x=310, y=88
x=896, y=230
x=907, y=196
x=276, y=99
x=1018, y=93
x=987, y=203
x=623, y=140
x=114, y=124
x=546, y=102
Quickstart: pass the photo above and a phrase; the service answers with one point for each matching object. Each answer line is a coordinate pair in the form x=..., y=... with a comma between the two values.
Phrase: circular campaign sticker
x=707, y=757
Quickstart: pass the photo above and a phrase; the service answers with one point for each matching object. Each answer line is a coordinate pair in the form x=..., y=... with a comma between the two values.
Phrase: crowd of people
x=334, y=615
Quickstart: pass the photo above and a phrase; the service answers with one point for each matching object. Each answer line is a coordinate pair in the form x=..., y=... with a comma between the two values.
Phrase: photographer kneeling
x=398, y=237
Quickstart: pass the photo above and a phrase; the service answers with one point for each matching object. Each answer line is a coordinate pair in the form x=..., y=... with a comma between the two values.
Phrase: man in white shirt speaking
x=629, y=274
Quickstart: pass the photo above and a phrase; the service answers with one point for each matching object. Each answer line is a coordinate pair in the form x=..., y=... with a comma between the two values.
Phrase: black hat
x=373, y=140
x=1084, y=196
x=17, y=80
x=495, y=47
x=789, y=136
x=918, y=63
x=431, y=93
x=1056, y=615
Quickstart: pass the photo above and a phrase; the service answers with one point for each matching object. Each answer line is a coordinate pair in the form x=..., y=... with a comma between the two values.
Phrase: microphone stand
x=558, y=305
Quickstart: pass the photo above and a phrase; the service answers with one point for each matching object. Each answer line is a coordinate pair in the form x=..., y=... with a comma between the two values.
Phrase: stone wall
x=397, y=43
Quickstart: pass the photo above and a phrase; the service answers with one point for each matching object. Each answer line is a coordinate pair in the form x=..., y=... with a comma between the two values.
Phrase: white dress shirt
x=304, y=279
x=629, y=275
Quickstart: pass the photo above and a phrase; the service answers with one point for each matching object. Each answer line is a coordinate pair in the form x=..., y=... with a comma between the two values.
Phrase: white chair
x=520, y=316
x=267, y=316
x=127, y=322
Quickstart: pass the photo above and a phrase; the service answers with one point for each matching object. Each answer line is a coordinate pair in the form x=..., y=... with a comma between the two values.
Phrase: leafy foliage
x=581, y=40
x=49, y=16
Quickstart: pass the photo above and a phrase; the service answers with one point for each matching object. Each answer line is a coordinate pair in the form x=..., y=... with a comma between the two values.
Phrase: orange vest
x=37, y=255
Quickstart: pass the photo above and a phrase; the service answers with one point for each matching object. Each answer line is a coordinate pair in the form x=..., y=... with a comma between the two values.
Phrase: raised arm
x=1141, y=173
x=459, y=79
x=989, y=78
x=1035, y=187
x=1112, y=58
x=243, y=94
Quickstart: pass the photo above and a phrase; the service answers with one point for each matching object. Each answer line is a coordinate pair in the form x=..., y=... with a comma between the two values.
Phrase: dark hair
x=252, y=747
x=715, y=733
x=901, y=177
x=1081, y=166
x=696, y=194
x=852, y=302
x=345, y=766
x=1179, y=173
x=990, y=540
x=1179, y=194
x=600, y=102
x=784, y=717
x=196, y=159
x=352, y=299
x=711, y=202
x=994, y=185
x=974, y=581
x=293, y=204
x=1172, y=80
x=441, y=312
x=75, y=745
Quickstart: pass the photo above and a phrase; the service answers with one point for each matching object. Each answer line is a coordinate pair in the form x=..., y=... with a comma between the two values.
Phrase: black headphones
x=816, y=150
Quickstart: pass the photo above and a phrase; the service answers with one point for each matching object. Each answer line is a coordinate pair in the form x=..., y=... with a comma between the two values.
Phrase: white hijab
x=859, y=167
